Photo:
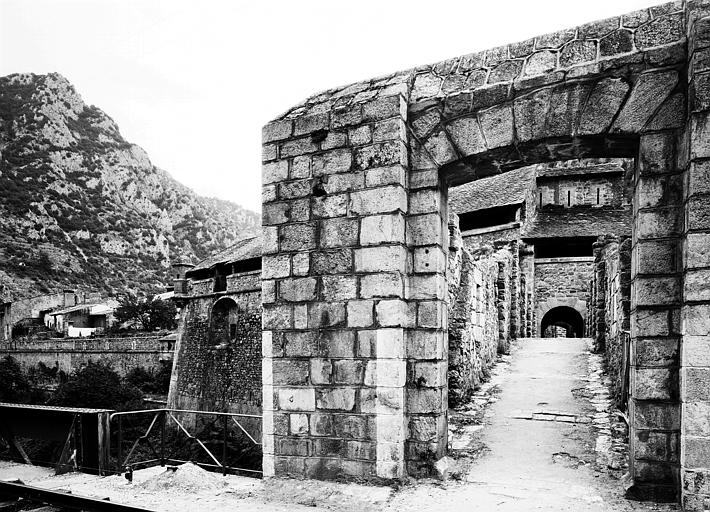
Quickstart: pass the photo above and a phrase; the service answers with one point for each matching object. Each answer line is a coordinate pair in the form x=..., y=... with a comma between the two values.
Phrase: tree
x=150, y=314
x=97, y=386
x=14, y=386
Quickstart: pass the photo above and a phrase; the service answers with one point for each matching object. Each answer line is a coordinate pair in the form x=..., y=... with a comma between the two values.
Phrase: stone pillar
x=335, y=278
x=427, y=340
x=695, y=317
x=655, y=315
x=355, y=297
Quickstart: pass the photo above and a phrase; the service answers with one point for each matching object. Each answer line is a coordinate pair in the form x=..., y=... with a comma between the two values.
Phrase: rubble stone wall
x=474, y=310
x=609, y=308
x=68, y=355
x=213, y=372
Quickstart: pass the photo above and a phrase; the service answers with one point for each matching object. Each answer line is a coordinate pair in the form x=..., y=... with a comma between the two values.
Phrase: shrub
x=97, y=386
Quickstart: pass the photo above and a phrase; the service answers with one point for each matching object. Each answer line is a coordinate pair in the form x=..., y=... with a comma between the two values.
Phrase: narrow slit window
x=598, y=194
x=540, y=198
x=569, y=198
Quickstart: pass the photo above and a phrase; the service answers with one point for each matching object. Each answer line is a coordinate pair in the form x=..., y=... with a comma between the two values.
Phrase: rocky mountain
x=81, y=207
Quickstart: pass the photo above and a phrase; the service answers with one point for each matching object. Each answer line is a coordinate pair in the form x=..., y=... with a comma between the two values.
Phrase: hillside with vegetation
x=82, y=207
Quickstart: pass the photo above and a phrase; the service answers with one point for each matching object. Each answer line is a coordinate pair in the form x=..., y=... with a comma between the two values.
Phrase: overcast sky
x=193, y=81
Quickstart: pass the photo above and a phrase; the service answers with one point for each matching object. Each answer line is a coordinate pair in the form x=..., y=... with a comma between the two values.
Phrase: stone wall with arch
x=355, y=239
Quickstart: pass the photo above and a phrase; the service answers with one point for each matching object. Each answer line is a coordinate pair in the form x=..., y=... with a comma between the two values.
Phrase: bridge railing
x=218, y=441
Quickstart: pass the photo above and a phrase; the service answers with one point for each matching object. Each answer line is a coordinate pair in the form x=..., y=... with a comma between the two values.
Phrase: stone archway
x=355, y=215
x=566, y=317
x=574, y=304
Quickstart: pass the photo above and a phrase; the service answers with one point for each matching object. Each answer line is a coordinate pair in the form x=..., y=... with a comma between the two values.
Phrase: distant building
x=24, y=316
x=83, y=319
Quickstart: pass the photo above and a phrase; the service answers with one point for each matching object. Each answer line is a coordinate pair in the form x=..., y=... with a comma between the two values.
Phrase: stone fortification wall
x=215, y=369
x=479, y=306
x=71, y=354
x=609, y=309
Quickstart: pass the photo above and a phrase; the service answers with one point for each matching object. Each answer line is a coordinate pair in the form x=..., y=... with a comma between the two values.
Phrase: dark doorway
x=562, y=321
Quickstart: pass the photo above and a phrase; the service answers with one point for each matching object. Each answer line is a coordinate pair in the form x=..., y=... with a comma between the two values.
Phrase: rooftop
x=245, y=249
x=504, y=189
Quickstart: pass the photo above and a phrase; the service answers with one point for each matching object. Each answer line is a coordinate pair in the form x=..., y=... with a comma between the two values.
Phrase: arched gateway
x=355, y=216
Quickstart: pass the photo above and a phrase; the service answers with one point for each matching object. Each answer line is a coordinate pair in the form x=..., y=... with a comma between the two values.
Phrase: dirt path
x=546, y=441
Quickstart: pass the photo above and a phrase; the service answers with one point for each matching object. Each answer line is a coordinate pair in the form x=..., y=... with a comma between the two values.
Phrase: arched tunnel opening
x=562, y=321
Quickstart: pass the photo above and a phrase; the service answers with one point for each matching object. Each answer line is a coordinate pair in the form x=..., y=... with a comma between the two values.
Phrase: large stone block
x=696, y=452
x=696, y=250
x=340, y=232
x=339, y=288
x=696, y=320
x=297, y=237
x=696, y=351
x=330, y=206
x=657, y=153
x=348, y=371
x=497, y=126
x=382, y=176
x=467, y=136
x=311, y=123
x=277, y=130
x=654, y=415
x=360, y=313
x=297, y=399
x=274, y=172
x=530, y=114
x=379, y=229
x=696, y=285
x=325, y=314
x=656, y=291
x=379, y=200
x=381, y=285
x=696, y=418
x=339, y=261
x=277, y=317
x=380, y=155
x=381, y=259
x=331, y=162
x=429, y=259
x=297, y=289
x=425, y=230
x=340, y=399
x=655, y=384
x=659, y=446
x=650, y=90
x=696, y=384
x=290, y=371
x=395, y=313
x=661, y=31
x=321, y=371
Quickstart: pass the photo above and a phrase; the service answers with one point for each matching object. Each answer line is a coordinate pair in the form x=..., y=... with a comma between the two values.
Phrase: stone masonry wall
x=474, y=326
x=68, y=355
x=355, y=215
x=695, y=315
